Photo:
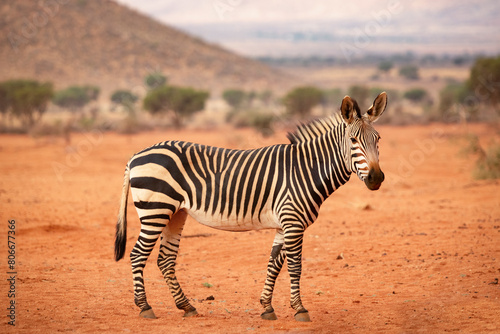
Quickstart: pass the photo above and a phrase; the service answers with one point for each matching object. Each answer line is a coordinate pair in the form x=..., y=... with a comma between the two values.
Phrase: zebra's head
x=362, y=139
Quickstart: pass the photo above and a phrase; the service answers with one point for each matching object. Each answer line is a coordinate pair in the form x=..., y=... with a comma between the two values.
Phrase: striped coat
x=278, y=187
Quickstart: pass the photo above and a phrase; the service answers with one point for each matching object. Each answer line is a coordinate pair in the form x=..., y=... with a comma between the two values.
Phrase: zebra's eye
x=353, y=140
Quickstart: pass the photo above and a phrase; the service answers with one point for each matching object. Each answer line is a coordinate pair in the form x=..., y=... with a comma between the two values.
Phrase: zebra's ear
x=377, y=107
x=347, y=109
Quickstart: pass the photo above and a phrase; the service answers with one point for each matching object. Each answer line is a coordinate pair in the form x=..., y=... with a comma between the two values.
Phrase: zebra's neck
x=327, y=159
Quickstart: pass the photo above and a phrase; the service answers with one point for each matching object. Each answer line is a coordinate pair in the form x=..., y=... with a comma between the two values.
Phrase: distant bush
x=488, y=161
x=182, y=101
x=471, y=145
x=450, y=97
x=71, y=98
x=234, y=97
x=76, y=97
x=488, y=165
x=4, y=98
x=415, y=95
x=332, y=98
x=385, y=66
x=484, y=80
x=360, y=94
x=261, y=121
x=301, y=100
x=124, y=98
x=410, y=72
x=27, y=100
x=158, y=100
x=155, y=80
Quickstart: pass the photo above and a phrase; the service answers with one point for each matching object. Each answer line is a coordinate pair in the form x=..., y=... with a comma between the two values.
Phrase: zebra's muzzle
x=374, y=179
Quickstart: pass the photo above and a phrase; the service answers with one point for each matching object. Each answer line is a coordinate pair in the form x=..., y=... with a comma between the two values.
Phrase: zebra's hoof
x=303, y=316
x=148, y=314
x=190, y=313
x=269, y=316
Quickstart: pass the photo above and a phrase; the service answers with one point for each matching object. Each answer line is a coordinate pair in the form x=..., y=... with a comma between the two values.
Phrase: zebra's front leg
x=273, y=269
x=294, y=237
x=169, y=248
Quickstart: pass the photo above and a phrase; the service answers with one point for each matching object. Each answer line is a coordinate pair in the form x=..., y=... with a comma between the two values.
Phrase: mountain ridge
x=110, y=45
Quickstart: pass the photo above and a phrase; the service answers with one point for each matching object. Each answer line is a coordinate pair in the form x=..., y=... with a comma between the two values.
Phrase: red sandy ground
x=419, y=255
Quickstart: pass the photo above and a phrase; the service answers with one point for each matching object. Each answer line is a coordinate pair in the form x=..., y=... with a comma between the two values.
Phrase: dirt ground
x=422, y=254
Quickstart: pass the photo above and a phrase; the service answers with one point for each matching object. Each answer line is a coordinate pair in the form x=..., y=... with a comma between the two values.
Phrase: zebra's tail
x=121, y=225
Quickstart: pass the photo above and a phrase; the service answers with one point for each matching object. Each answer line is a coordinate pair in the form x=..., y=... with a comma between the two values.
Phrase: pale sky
x=261, y=27
x=210, y=11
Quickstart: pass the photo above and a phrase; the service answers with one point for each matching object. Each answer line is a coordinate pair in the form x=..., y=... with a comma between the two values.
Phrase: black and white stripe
x=278, y=187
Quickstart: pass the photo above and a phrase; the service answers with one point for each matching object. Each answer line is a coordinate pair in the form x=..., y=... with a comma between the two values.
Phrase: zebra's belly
x=266, y=220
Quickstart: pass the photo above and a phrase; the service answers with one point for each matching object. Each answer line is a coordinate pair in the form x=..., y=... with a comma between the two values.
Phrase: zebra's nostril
x=375, y=177
x=370, y=176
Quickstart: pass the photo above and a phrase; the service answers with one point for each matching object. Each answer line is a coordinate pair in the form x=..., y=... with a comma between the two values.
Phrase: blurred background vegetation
x=25, y=103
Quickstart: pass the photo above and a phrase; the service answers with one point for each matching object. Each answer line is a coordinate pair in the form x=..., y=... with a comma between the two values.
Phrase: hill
x=109, y=45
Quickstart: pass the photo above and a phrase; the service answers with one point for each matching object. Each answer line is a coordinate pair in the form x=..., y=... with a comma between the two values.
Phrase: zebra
x=277, y=187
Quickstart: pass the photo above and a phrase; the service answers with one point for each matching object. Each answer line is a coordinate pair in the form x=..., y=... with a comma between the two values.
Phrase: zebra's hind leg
x=273, y=269
x=151, y=228
x=169, y=247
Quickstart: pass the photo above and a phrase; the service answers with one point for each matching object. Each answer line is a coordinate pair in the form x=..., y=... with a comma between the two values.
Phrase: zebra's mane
x=314, y=129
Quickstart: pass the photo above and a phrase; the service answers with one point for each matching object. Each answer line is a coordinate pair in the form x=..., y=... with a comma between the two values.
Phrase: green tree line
x=27, y=100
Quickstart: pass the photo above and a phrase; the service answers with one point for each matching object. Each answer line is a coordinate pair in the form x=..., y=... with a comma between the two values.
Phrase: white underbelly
x=266, y=220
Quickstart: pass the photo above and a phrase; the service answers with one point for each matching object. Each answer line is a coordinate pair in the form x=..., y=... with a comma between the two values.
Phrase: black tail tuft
x=120, y=242
x=121, y=225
